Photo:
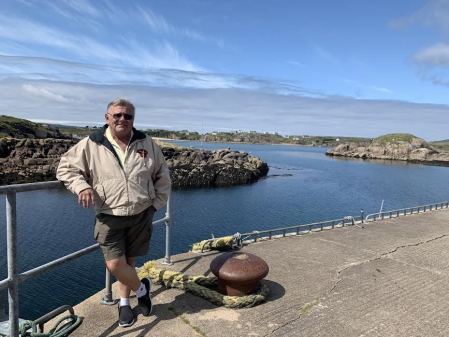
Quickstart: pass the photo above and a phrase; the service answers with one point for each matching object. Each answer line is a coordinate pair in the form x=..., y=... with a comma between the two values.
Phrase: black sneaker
x=144, y=305
x=125, y=316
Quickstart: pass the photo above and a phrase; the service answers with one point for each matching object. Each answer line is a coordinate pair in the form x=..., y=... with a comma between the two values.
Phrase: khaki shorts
x=124, y=235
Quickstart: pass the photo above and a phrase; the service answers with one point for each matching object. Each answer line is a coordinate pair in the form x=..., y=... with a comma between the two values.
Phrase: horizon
x=310, y=68
x=57, y=124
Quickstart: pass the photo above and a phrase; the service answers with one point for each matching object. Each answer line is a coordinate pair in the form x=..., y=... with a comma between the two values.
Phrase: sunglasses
x=127, y=117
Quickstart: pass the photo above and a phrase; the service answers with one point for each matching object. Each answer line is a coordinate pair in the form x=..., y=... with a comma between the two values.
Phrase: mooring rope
x=222, y=243
x=69, y=324
x=202, y=286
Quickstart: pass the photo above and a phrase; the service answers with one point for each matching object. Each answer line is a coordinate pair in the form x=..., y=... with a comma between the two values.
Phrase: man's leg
x=123, y=269
x=127, y=280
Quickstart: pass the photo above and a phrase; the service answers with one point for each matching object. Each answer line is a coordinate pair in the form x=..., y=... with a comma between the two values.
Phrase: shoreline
x=224, y=142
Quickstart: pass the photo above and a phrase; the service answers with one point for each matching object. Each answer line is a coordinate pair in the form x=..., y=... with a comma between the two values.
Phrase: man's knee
x=116, y=264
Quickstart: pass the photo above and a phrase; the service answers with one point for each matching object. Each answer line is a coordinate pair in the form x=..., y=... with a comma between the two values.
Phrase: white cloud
x=83, y=7
x=433, y=13
x=296, y=64
x=382, y=89
x=362, y=87
x=159, y=24
x=436, y=55
x=433, y=60
x=44, y=93
x=232, y=108
x=161, y=54
x=32, y=68
x=156, y=22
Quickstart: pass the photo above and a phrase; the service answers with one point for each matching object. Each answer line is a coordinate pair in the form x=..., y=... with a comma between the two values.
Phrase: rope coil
x=63, y=327
x=202, y=286
x=223, y=243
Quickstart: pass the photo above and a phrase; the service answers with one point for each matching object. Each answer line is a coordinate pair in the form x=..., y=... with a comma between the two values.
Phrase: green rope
x=70, y=323
x=202, y=286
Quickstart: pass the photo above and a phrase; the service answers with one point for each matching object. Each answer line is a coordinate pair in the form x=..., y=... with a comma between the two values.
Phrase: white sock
x=142, y=291
x=124, y=301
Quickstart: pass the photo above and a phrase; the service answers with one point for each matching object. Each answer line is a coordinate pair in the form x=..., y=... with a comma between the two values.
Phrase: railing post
x=11, y=239
x=167, y=259
x=107, y=298
x=362, y=215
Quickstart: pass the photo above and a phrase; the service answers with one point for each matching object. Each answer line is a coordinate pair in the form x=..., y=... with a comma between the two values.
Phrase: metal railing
x=406, y=211
x=330, y=224
x=14, y=278
x=300, y=229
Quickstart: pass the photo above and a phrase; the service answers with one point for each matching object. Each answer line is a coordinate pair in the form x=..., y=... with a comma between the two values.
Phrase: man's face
x=119, y=121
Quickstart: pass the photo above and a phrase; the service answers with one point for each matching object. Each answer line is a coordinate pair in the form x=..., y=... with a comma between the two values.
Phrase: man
x=121, y=172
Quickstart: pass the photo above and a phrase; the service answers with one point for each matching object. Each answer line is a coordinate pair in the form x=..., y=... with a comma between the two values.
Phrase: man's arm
x=161, y=178
x=72, y=171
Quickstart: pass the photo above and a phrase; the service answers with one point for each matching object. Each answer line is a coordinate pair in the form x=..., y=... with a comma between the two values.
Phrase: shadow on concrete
x=276, y=290
x=184, y=303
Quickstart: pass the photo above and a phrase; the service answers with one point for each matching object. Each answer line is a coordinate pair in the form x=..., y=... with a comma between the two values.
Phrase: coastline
x=409, y=149
x=246, y=143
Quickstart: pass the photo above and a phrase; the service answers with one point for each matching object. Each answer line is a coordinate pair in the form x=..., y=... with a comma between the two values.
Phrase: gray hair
x=122, y=102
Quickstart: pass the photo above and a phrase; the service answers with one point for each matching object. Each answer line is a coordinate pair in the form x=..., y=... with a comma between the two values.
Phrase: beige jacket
x=93, y=163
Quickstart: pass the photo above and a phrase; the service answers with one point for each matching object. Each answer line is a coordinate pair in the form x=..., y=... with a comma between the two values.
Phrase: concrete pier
x=390, y=278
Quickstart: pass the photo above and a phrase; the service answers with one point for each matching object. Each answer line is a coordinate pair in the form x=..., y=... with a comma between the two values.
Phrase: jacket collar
x=98, y=136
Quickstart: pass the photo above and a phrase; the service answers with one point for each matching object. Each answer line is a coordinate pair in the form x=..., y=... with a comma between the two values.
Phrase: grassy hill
x=22, y=128
x=395, y=137
x=442, y=145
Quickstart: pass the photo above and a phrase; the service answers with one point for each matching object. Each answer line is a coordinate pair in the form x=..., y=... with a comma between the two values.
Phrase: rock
x=30, y=160
x=412, y=149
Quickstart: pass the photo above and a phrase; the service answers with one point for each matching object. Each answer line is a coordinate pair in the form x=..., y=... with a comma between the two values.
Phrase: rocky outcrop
x=415, y=150
x=31, y=160
x=191, y=167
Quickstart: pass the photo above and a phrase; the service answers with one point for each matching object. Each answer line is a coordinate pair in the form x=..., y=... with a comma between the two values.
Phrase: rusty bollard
x=238, y=273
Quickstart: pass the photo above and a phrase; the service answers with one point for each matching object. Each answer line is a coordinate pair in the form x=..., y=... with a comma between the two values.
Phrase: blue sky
x=342, y=68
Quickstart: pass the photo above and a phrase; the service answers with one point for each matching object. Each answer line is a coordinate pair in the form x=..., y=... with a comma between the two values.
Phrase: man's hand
x=86, y=198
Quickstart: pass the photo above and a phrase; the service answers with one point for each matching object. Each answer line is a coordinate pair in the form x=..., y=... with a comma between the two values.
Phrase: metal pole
x=167, y=259
x=362, y=215
x=11, y=237
x=107, y=298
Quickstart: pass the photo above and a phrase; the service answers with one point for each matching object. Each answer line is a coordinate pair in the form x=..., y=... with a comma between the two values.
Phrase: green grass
x=395, y=137
x=10, y=126
x=442, y=145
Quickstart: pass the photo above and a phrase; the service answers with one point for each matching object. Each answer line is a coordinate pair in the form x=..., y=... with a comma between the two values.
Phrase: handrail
x=330, y=224
x=300, y=229
x=406, y=211
x=12, y=281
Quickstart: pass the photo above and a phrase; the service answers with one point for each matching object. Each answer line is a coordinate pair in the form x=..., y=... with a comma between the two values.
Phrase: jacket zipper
x=123, y=169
